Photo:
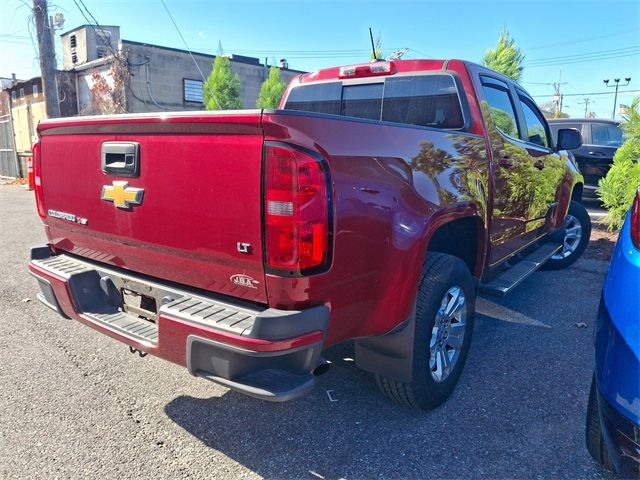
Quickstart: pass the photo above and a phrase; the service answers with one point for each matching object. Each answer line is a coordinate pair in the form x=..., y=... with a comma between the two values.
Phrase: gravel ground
x=76, y=404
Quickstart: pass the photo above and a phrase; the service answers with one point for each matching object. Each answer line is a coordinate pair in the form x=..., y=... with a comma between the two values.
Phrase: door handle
x=121, y=158
x=539, y=164
x=505, y=162
x=596, y=154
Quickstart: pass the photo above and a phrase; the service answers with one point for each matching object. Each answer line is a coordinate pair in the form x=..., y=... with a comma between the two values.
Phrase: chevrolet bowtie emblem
x=122, y=195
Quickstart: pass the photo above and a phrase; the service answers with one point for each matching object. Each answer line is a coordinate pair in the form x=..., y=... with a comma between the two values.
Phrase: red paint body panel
x=201, y=197
x=386, y=191
x=392, y=187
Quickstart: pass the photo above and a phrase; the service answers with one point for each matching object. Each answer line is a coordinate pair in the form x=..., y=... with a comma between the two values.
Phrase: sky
x=577, y=43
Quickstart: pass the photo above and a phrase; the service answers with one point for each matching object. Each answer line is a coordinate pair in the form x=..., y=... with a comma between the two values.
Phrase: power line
x=613, y=51
x=420, y=53
x=571, y=42
x=100, y=37
x=183, y=40
x=585, y=60
x=589, y=93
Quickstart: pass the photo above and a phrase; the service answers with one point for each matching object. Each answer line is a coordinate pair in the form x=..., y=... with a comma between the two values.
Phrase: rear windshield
x=424, y=100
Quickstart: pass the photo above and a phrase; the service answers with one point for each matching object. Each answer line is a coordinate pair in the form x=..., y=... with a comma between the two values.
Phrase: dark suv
x=600, y=140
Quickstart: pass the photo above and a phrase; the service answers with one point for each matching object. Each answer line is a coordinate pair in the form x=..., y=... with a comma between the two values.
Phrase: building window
x=13, y=96
x=74, y=42
x=35, y=91
x=103, y=41
x=74, y=58
x=192, y=91
x=22, y=93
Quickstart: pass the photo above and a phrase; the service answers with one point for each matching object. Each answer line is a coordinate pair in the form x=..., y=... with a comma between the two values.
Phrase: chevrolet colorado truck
x=370, y=207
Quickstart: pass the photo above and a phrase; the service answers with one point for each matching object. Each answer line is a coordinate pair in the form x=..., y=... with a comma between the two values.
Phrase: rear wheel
x=442, y=334
x=595, y=442
x=575, y=240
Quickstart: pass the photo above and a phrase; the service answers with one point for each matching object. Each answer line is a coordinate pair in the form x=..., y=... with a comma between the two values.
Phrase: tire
x=443, y=277
x=593, y=435
x=578, y=223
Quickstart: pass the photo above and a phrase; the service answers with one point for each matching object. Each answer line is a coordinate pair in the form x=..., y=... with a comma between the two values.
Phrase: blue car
x=613, y=414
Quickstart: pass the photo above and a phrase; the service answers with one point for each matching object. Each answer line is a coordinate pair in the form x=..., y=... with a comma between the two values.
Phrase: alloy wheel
x=447, y=334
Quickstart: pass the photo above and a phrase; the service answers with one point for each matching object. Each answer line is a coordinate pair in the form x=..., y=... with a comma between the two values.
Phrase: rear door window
x=503, y=112
x=606, y=135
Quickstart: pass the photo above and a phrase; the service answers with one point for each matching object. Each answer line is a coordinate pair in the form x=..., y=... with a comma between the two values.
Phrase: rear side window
x=318, y=98
x=502, y=110
x=606, y=135
x=423, y=100
x=430, y=101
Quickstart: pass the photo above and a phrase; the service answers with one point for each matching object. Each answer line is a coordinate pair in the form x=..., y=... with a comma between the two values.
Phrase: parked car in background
x=613, y=414
x=600, y=140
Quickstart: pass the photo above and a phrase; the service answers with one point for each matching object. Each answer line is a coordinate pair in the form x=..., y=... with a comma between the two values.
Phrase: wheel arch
x=576, y=193
x=445, y=233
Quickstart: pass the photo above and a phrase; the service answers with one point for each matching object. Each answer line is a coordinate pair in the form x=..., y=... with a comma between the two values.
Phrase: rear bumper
x=622, y=437
x=265, y=353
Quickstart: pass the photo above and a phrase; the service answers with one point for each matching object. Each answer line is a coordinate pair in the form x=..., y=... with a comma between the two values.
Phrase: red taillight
x=635, y=220
x=37, y=176
x=296, y=210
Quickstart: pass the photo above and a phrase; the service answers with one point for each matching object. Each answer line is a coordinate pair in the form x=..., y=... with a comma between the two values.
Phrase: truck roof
x=399, y=66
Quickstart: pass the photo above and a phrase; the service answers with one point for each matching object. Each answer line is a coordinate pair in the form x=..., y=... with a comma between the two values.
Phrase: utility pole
x=615, y=98
x=586, y=101
x=47, y=58
x=557, y=97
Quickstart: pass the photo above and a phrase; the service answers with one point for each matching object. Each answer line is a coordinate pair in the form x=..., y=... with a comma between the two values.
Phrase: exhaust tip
x=322, y=368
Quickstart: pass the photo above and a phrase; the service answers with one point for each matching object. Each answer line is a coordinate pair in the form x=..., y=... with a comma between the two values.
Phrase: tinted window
x=558, y=126
x=502, y=111
x=535, y=124
x=429, y=100
x=362, y=101
x=320, y=98
x=607, y=135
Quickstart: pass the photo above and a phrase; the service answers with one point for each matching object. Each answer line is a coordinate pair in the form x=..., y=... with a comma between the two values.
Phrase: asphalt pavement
x=76, y=404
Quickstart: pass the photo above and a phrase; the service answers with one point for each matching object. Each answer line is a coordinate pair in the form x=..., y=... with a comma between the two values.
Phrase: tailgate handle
x=121, y=158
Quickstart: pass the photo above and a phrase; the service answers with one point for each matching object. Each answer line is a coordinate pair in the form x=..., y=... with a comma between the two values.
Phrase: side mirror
x=569, y=139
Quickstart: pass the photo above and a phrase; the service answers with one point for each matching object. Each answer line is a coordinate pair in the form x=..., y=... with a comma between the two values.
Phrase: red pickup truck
x=371, y=207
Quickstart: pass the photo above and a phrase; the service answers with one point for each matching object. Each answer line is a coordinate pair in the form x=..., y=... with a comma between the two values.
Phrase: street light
x=615, y=98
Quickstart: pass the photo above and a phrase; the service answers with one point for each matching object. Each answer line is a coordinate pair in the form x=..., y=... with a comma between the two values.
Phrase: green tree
x=222, y=88
x=506, y=58
x=271, y=90
x=618, y=189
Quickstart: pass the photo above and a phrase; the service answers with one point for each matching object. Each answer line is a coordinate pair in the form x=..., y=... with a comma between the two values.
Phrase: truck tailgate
x=198, y=221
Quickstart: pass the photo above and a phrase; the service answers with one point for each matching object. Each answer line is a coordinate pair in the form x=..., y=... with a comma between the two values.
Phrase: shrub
x=617, y=190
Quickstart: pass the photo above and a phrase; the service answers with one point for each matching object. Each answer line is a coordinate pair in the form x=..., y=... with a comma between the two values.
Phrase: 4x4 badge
x=121, y=194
